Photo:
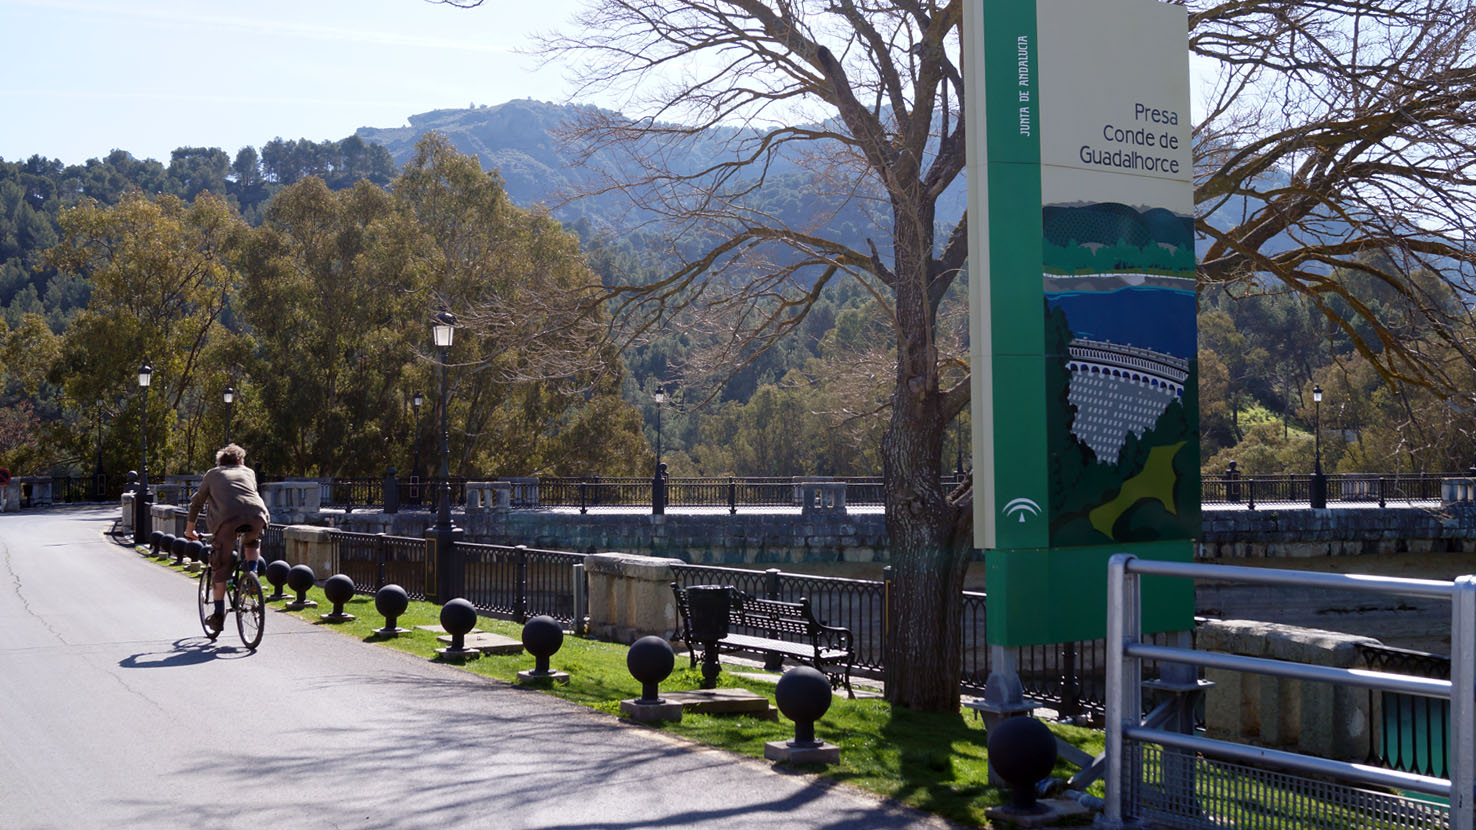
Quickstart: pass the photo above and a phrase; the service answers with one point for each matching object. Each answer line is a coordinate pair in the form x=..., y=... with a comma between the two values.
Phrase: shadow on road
x=191, y=651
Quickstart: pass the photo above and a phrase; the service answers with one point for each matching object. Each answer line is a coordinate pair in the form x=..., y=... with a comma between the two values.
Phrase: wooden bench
x=757, y=626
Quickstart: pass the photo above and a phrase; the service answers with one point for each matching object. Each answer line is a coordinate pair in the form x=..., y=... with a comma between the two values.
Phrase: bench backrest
x=771, y=616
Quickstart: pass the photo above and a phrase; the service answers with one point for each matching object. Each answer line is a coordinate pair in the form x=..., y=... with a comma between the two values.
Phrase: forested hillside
x=814, y=403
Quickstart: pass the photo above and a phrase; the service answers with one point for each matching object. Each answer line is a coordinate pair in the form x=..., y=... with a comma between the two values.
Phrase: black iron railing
x=1409, y=732
x=273, y=543
x=374, y=560
x=1379, y=489
x=520, y=582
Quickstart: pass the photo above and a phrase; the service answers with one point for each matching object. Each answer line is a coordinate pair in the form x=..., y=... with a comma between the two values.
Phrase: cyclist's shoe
x=216, y=621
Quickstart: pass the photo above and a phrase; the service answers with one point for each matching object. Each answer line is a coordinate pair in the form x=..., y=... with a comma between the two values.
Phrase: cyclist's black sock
x=220, y=606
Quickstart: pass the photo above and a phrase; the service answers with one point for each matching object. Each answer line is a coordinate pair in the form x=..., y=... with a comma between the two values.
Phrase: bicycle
x=244, y=598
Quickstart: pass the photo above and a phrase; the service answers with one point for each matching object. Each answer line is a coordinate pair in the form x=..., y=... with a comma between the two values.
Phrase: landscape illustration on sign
x=1121, y=372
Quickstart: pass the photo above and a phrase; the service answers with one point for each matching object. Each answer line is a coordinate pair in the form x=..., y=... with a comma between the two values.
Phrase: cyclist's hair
x=230, y=455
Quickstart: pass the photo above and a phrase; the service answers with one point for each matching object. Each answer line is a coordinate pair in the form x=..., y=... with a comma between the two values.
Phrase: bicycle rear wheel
x=207, y=602
x=250, y=609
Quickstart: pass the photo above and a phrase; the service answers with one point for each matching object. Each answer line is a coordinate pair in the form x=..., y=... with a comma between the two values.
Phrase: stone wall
x=1341, y=531
x=714, y=539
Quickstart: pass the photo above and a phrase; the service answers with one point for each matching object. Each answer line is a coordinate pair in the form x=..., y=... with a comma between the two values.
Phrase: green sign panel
x=1083, y=308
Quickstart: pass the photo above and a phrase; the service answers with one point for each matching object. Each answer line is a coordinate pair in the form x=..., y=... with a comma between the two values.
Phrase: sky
x=84, y=77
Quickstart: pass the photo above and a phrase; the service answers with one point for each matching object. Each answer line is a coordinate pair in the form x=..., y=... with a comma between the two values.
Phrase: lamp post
x=415, y=474
x=958, y=446
x=1319, y=481
x=99, y=480
x=229, y=396
x=658, y=480
x=141, y=519
x=450, y=576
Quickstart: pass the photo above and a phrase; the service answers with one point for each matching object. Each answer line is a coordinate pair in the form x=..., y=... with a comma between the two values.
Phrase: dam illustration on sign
x=1119, y=301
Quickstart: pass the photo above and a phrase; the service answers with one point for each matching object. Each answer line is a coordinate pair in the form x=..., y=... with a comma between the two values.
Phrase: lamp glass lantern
x=444, y=329
x=145, y=374
x=229, y=395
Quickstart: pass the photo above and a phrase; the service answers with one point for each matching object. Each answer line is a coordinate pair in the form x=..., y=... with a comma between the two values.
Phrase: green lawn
x=935, y=762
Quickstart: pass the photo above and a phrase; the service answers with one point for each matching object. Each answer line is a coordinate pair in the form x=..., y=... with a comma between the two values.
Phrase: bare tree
x=1336, y=130
x=1336, y=127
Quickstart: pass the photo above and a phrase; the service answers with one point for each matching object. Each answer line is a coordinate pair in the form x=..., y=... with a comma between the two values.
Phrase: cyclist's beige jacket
x=231, y=494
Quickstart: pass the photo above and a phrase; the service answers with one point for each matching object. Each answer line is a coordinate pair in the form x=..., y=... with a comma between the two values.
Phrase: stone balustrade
x=482, y=496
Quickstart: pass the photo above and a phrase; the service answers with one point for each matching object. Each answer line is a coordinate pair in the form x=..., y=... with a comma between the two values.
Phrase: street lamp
x=99, y=480
x=141, y=519
x=415, y=474
x=449, y=566
x=1319, y=481
x=958, y=448
x=229, y=395
x=658, y=480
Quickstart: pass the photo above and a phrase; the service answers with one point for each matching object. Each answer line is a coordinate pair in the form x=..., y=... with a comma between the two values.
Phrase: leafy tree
x=161, y=273
x=327, y=304
x=199, y=169
x=529, y=350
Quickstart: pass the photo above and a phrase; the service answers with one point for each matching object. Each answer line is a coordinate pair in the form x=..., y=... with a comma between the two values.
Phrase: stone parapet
x=169, y=518
x=310, y=546
x=630, y=596
x=1313, y=718
x=292, y=502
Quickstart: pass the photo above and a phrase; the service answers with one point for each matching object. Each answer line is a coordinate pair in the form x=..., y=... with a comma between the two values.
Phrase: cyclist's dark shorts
x=224, y=543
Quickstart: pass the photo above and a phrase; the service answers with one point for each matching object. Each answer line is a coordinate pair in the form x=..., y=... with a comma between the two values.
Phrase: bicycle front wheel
x=207, y=602
x=250, y=609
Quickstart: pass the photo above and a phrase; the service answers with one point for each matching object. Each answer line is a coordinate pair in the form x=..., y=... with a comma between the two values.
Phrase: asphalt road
x=116, y=712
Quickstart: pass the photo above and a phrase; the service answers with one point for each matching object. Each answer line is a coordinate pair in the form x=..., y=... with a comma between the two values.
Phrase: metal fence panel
x=1218, y=794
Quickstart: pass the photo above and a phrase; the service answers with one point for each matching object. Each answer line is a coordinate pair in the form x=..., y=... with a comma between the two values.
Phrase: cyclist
x=235, y=508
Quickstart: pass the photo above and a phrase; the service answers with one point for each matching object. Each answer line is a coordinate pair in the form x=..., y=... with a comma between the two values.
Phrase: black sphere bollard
x=458, y=617
x=301, y=579
x=542, y=637
x=1022, y=751
x=154, y=537
x=803, y=695
x=177, y=548
x=391, y=601
x=339, y=589
x=165, y=547
x=276, y=573
x=650, y=661
x=195, y=551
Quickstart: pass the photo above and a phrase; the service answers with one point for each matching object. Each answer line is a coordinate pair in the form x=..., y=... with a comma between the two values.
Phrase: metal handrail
x=1124, y=680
